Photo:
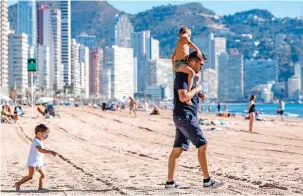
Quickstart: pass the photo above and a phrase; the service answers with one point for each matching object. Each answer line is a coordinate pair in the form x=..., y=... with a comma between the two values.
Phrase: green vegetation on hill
x=96, y=17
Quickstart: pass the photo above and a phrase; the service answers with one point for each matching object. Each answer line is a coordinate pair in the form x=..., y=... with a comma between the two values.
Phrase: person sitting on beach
x=132, y=106
x=35, y=160
x=4, y=117
x=6, y=111
x=42, y=109
x=155, y=111
x=18, y=111
x=180, y=55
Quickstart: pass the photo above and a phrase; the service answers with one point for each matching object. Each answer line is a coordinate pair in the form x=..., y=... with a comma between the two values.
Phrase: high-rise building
x=88, y=40
x=230, y=78
x=120, y=62
x=210, y=79
x=154, y=50
x=121, y=32
x=4, y=47
x=203, y=44
x=84, y=61
x=140, y=44
x=258, y=72
x=293, y=88
x=145, y=48
x=18, y=55
x=217, y=45
x=160, y=74
x=49, y=48
x=298, y=74
x=76, y=70
x=106, y=84
x=44, y=67
x=26, y=20
x=301, y=63
x=65, y=7
x=223, y=78
x=236, y=77
x=94, y=73
x=279, y=89
x=301, y=79
x=135, y=74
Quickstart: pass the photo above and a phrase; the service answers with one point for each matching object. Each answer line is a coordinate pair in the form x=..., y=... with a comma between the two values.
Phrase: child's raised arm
x=46, y=151
x=192, y=45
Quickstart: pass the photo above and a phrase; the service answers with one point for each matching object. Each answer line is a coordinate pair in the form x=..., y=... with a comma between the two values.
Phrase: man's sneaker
x=213, y=183
x=173, y=185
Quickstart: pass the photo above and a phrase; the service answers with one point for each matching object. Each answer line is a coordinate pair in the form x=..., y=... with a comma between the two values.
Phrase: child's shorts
x=178, y=63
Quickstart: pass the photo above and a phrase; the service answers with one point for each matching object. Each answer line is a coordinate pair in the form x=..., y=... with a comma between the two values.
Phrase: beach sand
x=109, y=153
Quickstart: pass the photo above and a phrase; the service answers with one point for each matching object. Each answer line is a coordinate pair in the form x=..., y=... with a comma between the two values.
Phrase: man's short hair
x=194, y=55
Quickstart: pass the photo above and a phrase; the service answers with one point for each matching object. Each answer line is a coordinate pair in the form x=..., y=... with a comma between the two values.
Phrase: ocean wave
x=291, y=115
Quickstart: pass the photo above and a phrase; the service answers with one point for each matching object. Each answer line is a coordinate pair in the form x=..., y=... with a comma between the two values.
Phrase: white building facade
x=18, y=55
x=120, y=62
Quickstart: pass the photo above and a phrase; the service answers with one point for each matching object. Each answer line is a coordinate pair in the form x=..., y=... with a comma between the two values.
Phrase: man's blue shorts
x=188, y=130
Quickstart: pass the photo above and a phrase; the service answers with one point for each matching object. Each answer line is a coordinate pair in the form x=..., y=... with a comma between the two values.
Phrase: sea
x=291, y=110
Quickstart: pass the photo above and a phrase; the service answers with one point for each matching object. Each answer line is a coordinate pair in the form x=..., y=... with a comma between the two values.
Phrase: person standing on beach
x=251, y=111
x=225, y=107
x=132, y=106
x=282, y=108
x=219, y=107
x=35, y=160
x=186, y=122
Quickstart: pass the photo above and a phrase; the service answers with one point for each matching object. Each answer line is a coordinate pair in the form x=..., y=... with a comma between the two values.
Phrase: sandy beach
x=109, y=153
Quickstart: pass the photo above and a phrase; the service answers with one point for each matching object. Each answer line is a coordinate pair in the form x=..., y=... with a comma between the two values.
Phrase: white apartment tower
x=121, y=32
x=84, y=65
x=18, y=55
x=4, y=47
x=65, y=7
x=76, y=71
x=49, y=48
x=210, y=78
x=120, y=62
x=217, y=45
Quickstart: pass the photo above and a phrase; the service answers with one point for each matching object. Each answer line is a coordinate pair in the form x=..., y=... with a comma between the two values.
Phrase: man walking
x=186, y=122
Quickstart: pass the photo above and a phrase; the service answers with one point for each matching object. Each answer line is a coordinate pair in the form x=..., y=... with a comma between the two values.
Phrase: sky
x=277, y=8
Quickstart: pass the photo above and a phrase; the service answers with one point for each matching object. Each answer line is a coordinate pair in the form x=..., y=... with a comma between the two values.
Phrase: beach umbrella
x=43, y=100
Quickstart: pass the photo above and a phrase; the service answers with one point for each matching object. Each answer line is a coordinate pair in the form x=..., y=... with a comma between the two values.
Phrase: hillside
x=165, y=21
x=93, y=17
x=277, y=38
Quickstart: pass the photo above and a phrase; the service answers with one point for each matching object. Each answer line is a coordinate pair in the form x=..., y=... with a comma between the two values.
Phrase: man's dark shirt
x=180, y=108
